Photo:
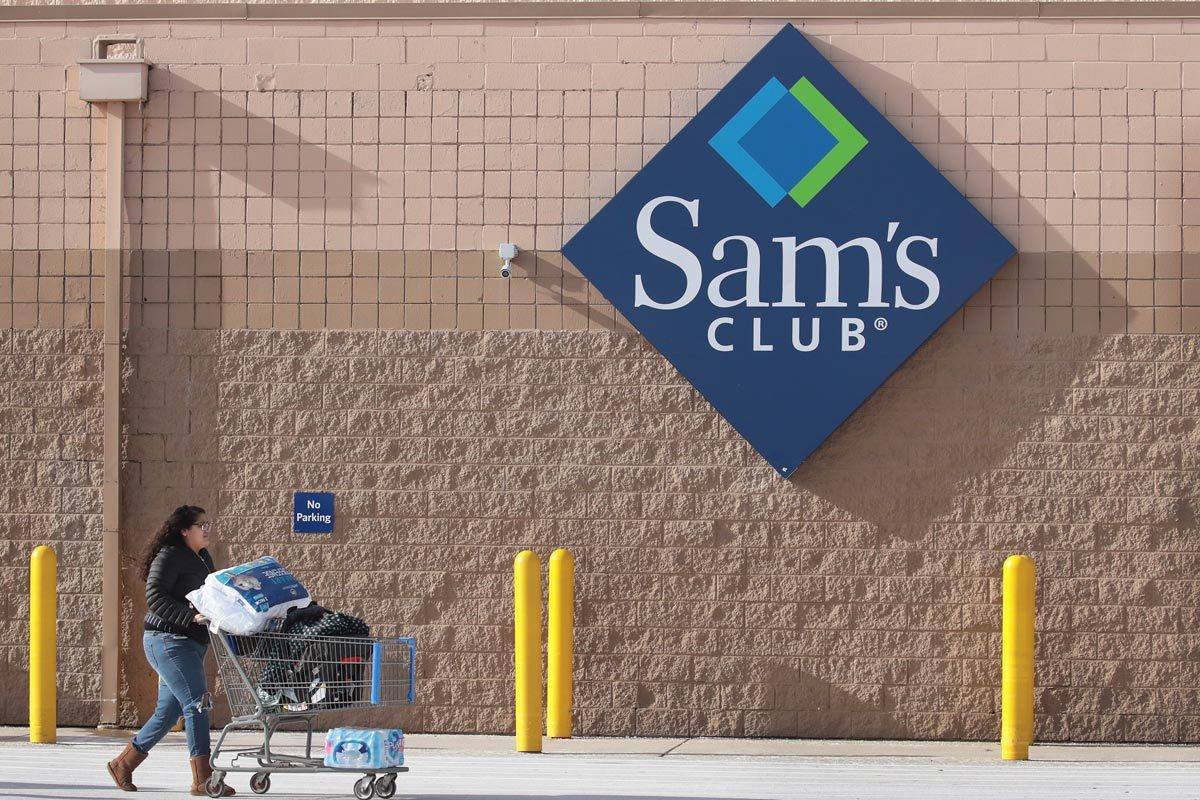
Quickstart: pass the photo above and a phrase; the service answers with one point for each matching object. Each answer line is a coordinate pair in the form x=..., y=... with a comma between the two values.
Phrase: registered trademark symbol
x=880, y=324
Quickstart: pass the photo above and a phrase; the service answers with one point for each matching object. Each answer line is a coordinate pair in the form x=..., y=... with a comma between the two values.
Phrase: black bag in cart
x=333, y=666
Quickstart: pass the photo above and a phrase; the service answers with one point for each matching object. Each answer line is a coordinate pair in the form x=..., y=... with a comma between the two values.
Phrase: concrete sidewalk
x=478, y=767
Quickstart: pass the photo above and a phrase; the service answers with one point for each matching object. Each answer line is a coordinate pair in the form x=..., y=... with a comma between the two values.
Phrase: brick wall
x=861, y=598
x=312, y=302
x=50, y=474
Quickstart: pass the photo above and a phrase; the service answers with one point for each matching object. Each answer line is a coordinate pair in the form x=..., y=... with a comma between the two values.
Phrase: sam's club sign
x=788, y=250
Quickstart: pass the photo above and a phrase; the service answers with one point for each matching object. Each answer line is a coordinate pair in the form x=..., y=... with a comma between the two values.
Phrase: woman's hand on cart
x=200, y=619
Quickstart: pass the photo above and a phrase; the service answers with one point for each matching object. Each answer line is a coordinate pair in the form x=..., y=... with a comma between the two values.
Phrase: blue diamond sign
x=788, y=250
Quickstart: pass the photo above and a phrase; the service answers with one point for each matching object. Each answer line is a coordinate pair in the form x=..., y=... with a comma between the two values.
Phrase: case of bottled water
x=359, y=748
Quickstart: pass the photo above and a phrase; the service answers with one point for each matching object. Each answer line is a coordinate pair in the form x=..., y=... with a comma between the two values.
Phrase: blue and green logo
x=788, y=142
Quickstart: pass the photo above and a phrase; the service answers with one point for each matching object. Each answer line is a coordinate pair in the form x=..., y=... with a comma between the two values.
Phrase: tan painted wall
x=408, y=137
x=292, y=179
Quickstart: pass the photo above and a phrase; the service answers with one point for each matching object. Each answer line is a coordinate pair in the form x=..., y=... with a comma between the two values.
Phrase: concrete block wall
x=860, y=598
x=312, y=302
x=50, y=474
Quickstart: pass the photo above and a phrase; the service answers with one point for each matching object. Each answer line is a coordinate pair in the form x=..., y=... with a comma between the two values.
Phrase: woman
x=175, y=640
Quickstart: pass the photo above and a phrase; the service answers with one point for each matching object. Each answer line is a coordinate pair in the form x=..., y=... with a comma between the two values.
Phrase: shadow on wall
x=824, y=698
x=926, y=440
x=957, y=455
x=558, y=279
x=263, y=158
x=170, y=393
x=172, y=457
x=200, y=431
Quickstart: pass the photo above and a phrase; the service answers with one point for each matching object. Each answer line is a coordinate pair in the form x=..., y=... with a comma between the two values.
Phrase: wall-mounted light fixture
x=117, y=72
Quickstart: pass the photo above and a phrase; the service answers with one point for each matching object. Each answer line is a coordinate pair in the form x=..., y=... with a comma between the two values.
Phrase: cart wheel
x=364, y=787
x=260, y=782
x=385, y=787
x=215, y=786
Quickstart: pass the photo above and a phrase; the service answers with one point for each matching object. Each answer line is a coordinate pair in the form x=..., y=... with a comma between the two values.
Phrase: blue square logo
x=788, y=250
x=788, y=141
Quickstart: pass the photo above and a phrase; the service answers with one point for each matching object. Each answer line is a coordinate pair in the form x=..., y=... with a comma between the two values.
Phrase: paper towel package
x=244, y=599
x=359, y=748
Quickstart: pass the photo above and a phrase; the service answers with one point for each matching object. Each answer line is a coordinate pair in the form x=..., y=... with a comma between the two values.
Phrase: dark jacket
x=174, y=572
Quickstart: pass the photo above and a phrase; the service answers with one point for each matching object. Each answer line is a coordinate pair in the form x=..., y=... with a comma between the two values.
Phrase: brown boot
x=201, y=770
x=121, y=768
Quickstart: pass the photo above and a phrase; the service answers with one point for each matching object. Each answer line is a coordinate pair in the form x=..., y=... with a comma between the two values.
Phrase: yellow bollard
x=1016, y=725
x=527, y=603
x=559, y=644
x=43, y=665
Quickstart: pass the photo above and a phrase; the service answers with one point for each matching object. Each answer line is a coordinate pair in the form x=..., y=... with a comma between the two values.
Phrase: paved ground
x=481, y=767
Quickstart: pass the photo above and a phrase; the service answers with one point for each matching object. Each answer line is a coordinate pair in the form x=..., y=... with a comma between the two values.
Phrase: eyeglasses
x=204, y=526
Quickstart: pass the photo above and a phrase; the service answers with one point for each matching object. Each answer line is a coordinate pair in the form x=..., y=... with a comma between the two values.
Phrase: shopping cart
x=275, y=681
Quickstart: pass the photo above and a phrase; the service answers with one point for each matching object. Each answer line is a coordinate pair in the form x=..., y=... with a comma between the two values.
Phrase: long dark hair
x=170, y=534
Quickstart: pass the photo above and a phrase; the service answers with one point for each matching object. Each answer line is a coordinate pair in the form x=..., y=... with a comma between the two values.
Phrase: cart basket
x=268, y=674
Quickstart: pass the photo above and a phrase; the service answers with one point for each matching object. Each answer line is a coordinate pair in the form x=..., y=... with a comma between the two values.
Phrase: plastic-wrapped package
x=244, y=599
x=359, y=748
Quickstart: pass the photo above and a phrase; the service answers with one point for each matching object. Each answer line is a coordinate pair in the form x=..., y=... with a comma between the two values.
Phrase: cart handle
x=376, y=672
x=377, y=669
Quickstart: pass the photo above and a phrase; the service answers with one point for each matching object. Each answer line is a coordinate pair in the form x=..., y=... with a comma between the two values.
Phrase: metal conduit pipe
x=110, y=493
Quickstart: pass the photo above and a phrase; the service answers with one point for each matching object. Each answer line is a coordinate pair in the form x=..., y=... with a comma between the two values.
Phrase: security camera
x=508, y=252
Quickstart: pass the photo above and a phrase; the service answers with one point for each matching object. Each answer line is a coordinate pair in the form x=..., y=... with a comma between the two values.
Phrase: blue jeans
x=182, y=689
